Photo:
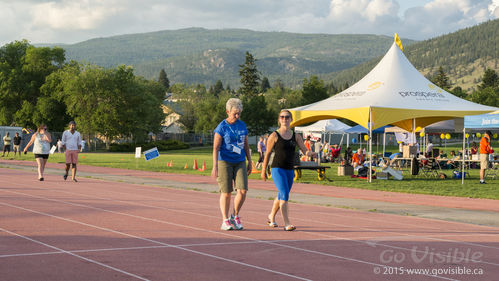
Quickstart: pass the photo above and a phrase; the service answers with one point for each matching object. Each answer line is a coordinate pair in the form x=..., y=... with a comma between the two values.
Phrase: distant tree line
x=37, y=86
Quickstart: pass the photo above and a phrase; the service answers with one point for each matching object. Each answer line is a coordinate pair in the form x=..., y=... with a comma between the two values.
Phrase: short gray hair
x=234, y=103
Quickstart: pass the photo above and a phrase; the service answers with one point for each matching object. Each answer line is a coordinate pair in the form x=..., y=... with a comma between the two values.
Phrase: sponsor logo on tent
x=375, y=85
x=349, y=94
x=426, y=95
x=433, y=87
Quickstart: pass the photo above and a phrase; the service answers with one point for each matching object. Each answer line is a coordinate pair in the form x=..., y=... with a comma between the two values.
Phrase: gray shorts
x=232, y=176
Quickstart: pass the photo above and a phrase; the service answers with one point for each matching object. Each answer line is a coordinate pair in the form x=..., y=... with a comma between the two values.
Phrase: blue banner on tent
x=151, y=153
x=483, y=121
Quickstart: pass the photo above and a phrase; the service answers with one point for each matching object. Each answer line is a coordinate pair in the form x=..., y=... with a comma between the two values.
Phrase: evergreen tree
x=163, y=79
x=265, y=85
x=218, y=88
x=249, y=77
x=331, y=89
x=489, y=79
x=459, y=92
x=256, y=115
x=441, y=79
x=313, y=90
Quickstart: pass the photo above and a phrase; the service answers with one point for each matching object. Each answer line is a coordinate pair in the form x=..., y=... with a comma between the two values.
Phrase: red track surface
x=99, y=230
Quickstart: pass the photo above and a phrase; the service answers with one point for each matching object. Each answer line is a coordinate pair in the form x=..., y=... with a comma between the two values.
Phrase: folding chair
x=491, y=172
x=430, y=168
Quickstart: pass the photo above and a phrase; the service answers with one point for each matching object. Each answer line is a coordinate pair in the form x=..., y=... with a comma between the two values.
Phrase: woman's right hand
x=263, y=175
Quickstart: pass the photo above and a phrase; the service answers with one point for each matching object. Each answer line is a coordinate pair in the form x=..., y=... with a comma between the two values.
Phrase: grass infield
x=180, y=158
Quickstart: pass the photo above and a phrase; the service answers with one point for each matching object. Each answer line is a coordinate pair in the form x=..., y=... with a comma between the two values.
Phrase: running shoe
x=226, y=225
x=236, y=222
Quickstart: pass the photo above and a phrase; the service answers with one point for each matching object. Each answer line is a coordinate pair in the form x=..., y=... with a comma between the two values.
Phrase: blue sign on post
x=151, y=153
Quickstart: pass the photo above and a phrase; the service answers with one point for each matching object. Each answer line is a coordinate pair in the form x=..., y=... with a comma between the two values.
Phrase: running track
x=103, y=230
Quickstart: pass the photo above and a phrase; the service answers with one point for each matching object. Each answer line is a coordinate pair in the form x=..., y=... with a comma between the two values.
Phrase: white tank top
x=41, y=146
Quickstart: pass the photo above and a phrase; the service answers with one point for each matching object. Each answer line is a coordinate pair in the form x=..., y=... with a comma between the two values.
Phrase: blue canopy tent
x=359, y=129
x=362, y=130
x=489, y=121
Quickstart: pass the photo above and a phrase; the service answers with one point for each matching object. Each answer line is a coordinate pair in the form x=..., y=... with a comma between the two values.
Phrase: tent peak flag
x=398, y=42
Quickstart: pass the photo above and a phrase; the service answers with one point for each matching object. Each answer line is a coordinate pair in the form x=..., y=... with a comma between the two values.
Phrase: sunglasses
x=285, y=117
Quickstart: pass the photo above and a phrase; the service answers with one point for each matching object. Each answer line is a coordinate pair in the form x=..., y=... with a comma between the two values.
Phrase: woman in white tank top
x=41, y=149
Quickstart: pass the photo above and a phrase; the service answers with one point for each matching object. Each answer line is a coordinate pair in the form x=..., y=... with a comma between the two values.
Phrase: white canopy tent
x=447, y=126
x=327, y=127
x=395, y=93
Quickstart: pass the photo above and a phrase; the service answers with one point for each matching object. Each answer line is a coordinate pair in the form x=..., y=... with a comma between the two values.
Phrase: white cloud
x=72, y=15
x=494, y=8
x=70, y=21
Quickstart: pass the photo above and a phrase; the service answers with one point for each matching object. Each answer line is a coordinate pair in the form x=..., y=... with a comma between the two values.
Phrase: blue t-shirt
x=233, y=136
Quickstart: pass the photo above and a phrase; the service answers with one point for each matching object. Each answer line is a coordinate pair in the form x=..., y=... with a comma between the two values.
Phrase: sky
x=72, y=21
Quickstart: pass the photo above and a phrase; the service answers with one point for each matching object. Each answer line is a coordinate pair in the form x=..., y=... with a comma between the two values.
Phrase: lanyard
x=230, y=128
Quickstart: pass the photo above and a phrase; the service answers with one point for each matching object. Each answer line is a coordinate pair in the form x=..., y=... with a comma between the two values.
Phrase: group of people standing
x=41, y=139
x=7, y=141
x=230, y=153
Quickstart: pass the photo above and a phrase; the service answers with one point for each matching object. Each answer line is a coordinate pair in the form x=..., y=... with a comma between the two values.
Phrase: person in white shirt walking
x=71, y=140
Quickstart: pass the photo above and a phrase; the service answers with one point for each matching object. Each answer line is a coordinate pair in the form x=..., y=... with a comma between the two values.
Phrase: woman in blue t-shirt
x=284, y=142
x=230, y=151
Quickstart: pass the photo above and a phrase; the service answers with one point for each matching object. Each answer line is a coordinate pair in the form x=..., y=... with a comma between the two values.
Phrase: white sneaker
x=236, y=222
x=226, y=225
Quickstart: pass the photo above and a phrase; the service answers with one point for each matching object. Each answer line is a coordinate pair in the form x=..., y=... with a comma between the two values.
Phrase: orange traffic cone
x=195, y=164
x=254, y=170
x=204, y=166
x=185, y=167
x=171, y=163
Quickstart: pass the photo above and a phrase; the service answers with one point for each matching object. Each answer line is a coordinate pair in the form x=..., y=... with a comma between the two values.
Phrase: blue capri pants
x=283, y=180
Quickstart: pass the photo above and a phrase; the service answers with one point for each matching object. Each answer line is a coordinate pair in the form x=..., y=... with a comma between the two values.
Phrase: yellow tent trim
x=381, y=116
x=358, y=115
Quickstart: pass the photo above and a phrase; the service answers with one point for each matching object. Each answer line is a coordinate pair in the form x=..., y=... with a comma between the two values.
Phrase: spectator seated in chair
x=357, y=159
x=451, y=163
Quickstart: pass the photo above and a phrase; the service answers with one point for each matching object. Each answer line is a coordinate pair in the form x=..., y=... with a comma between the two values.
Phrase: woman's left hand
x=249, y=167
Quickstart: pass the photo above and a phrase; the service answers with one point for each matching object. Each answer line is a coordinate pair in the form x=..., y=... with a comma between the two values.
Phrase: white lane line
x=152, y=247
x=310, y=220
x=150, y=240
x=195, y=228
x=73, y=254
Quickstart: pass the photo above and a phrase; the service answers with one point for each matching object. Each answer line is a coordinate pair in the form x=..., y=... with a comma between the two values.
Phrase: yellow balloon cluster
x=442, y=136
x=478, y=135
x=366, y=137
x=495, y=136
x=421, y=134
x=467, y=135
x=447, y=136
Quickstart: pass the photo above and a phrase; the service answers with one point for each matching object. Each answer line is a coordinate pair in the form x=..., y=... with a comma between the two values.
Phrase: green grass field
x=410, y=184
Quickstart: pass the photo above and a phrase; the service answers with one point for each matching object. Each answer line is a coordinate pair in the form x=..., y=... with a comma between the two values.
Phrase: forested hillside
x=464, y=55
x=197, y=55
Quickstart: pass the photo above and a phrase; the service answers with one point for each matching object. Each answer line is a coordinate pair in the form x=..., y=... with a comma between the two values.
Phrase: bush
x=161, y=145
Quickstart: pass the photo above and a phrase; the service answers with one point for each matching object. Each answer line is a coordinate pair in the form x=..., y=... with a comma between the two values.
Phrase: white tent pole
x=370, y=145
x=384, y=140
x=377, y=143
x=464, y=152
